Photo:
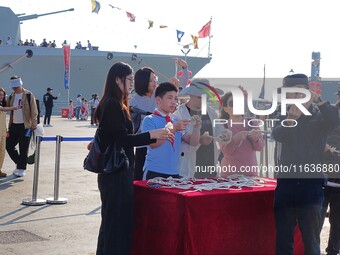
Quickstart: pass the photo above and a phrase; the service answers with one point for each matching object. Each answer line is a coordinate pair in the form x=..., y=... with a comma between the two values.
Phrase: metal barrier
x=55, y=199
x=35, y=200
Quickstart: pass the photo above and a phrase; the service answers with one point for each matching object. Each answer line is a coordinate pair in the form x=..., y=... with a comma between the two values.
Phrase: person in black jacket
x=299, y=191
x=116, y=190
x=48, y=102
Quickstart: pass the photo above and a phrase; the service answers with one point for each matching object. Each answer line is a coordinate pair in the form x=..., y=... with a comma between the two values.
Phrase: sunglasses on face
x=230, y=103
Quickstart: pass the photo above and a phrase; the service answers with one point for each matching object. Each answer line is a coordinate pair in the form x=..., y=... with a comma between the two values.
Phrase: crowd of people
x=174, y=138
x=44, y=43
x=299, y=198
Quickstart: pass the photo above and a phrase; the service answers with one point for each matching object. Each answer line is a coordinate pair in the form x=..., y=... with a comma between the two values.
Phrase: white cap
x=15, y=83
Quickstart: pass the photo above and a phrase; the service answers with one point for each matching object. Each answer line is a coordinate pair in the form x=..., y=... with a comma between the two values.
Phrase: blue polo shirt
x=165, y=158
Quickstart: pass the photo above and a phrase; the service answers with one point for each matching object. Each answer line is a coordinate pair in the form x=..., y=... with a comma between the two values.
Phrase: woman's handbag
x=112, y=160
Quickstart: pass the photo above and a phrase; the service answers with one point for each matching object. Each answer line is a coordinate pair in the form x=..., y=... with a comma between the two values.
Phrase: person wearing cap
x=48, y=102
x=299, y=193
x=195, y=160
x=21, y=123
x=332, y=193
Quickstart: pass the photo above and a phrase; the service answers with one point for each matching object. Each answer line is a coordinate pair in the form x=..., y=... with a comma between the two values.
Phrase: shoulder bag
x=112, y=160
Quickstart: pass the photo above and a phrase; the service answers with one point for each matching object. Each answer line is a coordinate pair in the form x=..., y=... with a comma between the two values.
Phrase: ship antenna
x=28, y=54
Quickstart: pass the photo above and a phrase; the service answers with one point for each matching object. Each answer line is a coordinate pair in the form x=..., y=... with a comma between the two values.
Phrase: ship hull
x=88, y=69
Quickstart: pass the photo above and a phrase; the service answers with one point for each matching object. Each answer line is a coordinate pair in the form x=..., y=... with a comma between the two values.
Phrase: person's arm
x=236, y=141
x=256, y=139
x=194, y=138
x=114, y=128
x=11, y=108
x=33, y=112
x=329, y=115
x=148, y=125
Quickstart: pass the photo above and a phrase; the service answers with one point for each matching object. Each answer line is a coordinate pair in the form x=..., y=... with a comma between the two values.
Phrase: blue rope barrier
x=67, y=139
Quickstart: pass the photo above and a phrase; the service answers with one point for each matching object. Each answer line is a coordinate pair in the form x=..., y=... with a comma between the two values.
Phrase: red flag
x=205, y=30
x=67, y=58
x=131, y=16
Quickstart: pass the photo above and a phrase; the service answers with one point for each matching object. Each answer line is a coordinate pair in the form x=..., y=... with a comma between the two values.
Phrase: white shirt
x=18, y=117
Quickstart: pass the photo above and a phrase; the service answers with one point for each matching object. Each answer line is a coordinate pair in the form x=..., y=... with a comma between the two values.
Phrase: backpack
x=29, y=104
x=136, y=117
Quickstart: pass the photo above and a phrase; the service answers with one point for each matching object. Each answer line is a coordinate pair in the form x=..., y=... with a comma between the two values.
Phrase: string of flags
x=202, y=33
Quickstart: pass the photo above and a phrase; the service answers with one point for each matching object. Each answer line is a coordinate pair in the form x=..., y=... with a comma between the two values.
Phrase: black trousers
x=17, y=134
x=139, y=162
x=115, y=233
x=152, y=174
x=48, y=113
x=332, y=199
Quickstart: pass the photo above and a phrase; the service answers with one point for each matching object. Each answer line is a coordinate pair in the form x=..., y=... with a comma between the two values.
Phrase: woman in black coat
x=116, y=190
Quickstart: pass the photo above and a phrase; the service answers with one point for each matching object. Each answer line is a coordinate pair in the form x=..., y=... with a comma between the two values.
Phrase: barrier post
x=56, y=199
x=35, y=200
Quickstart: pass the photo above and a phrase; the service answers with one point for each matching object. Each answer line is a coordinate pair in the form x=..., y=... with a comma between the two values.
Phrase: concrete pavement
x=65, y=229
x=69, y=228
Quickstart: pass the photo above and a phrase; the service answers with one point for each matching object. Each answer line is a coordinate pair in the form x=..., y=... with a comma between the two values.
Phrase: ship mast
x=209, y=54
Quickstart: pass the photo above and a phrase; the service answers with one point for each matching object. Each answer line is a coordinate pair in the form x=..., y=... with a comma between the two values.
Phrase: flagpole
x=209, y=55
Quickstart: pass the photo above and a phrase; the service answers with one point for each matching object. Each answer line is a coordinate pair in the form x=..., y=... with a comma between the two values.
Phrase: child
x=162, y=158
x=70, y=110
x=84, y=110
x=3, y=132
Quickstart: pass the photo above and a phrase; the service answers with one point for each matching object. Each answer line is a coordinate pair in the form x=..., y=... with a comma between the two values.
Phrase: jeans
x=78, y=112
x=299, y=203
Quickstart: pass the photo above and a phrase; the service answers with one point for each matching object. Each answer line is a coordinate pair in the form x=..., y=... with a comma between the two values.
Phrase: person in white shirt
x=21, y=124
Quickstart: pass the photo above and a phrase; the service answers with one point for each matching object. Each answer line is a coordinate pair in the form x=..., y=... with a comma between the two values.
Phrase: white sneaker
x=19, y=172
x=44, y=125
x=49, y=125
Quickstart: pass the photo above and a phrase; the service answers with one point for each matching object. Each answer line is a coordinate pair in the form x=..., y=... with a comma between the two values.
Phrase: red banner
x=67, y=59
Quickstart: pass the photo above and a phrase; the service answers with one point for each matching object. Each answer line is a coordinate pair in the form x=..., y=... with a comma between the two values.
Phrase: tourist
x=3, y=129
x=48, y=102
x=70, y=109
x=205, y=154
x=162, y=159
x=21, y=124
x=299, y=194
x=89, y=45
x=239, y=156
x=79, y=104
x=94, y=103
x=332, y=194
x=116, y=190
x=142, y=103
x=9, y=41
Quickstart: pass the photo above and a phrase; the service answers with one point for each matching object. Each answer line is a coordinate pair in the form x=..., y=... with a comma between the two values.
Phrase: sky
x=246, y=34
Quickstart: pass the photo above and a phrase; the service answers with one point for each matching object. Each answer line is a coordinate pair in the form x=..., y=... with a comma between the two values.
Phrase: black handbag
x=112, y=160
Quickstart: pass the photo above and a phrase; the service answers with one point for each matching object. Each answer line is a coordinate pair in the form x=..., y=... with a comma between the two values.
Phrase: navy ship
x=42, y=67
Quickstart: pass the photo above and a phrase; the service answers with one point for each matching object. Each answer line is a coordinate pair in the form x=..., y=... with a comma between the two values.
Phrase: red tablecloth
x=209, y=222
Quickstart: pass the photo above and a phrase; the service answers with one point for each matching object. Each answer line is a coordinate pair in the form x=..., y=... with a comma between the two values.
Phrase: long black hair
x=3, y=102
x=225, y=98
x=111, y=90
